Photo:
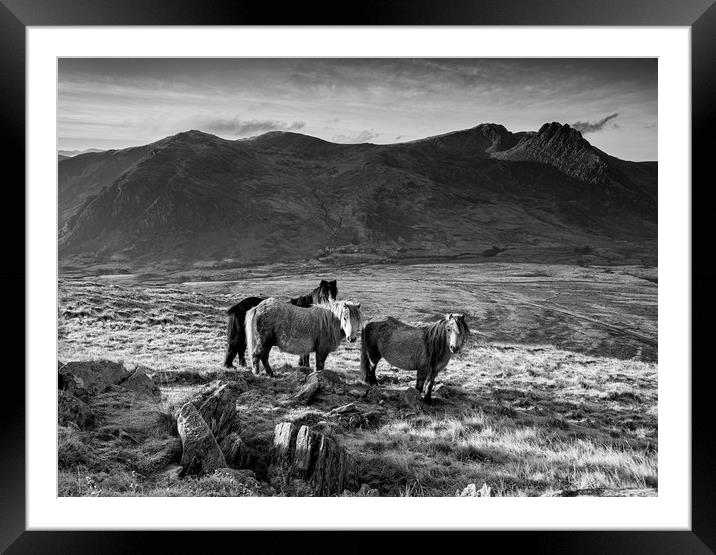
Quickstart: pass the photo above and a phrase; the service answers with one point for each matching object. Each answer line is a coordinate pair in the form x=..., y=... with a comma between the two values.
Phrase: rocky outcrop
x=308, y=390
x=142, y=384
x=72, y=410
x=312, y=457
x=201, y=454
x=216, y=402
x=91, y=377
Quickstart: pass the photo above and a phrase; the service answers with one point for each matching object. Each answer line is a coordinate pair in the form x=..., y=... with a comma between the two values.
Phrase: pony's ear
x=333, y=282
x=323, y=282
x=357, y=305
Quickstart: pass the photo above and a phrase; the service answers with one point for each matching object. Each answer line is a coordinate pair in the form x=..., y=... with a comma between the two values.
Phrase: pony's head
x=457, y=331
x=327, y=291
x=351, y=319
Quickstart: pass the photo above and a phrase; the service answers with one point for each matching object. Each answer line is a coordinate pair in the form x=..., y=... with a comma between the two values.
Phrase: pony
x=236, y=337
x=299, y=330
x=426, y=349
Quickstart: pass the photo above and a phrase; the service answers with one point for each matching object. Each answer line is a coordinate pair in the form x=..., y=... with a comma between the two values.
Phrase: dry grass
x=550, y=399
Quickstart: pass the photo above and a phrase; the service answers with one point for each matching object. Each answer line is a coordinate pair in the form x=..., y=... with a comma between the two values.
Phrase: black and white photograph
x=357, y=277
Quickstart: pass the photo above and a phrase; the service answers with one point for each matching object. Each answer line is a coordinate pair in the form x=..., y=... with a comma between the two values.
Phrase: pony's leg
x=229, y=359
x=320, y=360
x=265, y=360
x=255, y=358
x=304, y=360
x=241, y=349
x=230, y=346
x=431, y=381
x=428, y=394
x=420, y=381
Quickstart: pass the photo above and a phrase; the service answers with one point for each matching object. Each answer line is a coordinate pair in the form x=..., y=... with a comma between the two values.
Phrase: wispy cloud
x=120, y=102
x=239, y=127
x=585, y=127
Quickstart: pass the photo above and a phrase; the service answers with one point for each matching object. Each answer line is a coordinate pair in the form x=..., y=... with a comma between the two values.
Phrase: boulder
x=74, y=385
x=96, y=375
x=201, y=453
x=316, y=458
x=308, y=390
x=71, y=410
x=216, y=402
x=142, y=384
x=158, y=454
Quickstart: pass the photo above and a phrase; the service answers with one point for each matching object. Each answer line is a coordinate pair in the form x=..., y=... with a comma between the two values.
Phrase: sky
x=119, y=102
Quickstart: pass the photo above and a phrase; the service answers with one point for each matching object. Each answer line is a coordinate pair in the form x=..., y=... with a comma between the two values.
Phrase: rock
x=331, y=467
x=159, y=453
x=140, y=383
x=216, y=402
x=309, y=389
x=410, y=398
x=472, y=491
x=284, y=439
x=373, y=395
x=237, y=454
x=96, y=375
x=71, y=410
x=313, y=457
x=73, y=385
x=201, y=454
x=331, y=381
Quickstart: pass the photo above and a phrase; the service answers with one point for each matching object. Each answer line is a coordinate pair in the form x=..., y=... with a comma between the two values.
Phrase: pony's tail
x=249, y=328
x=231, y=337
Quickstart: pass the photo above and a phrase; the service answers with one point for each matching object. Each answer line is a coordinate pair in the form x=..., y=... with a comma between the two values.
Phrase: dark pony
x=425, y=349
x=236, y=335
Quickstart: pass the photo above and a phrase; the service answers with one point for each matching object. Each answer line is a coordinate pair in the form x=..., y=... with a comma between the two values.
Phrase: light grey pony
x=298, y=330
x=426, y=349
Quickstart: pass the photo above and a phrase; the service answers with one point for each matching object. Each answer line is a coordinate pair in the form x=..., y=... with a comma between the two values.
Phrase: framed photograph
x=302, y=274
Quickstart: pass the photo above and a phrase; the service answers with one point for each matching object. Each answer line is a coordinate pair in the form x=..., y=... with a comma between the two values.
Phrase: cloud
x=236, y=126
x=362, y=137
x=585, y=127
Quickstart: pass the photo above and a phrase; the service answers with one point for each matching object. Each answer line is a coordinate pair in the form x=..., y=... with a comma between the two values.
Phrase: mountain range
x=193, y=197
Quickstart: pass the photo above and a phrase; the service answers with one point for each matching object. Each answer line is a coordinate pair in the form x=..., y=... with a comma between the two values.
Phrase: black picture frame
x=16, y=15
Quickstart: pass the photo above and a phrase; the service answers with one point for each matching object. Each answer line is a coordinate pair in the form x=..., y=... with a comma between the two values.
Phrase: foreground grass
x=525, y=417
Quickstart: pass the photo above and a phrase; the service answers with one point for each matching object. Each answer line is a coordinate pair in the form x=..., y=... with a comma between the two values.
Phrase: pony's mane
x=329, y=332
x=320, y=295
x=436, y=344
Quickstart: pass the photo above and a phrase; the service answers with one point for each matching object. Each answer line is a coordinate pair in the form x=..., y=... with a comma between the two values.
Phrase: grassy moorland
x=558, y=391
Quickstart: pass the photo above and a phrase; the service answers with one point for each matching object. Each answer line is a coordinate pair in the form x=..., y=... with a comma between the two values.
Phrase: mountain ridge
x=288, y=196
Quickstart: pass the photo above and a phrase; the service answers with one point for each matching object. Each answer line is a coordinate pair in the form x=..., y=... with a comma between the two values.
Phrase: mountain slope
x=288, y=197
